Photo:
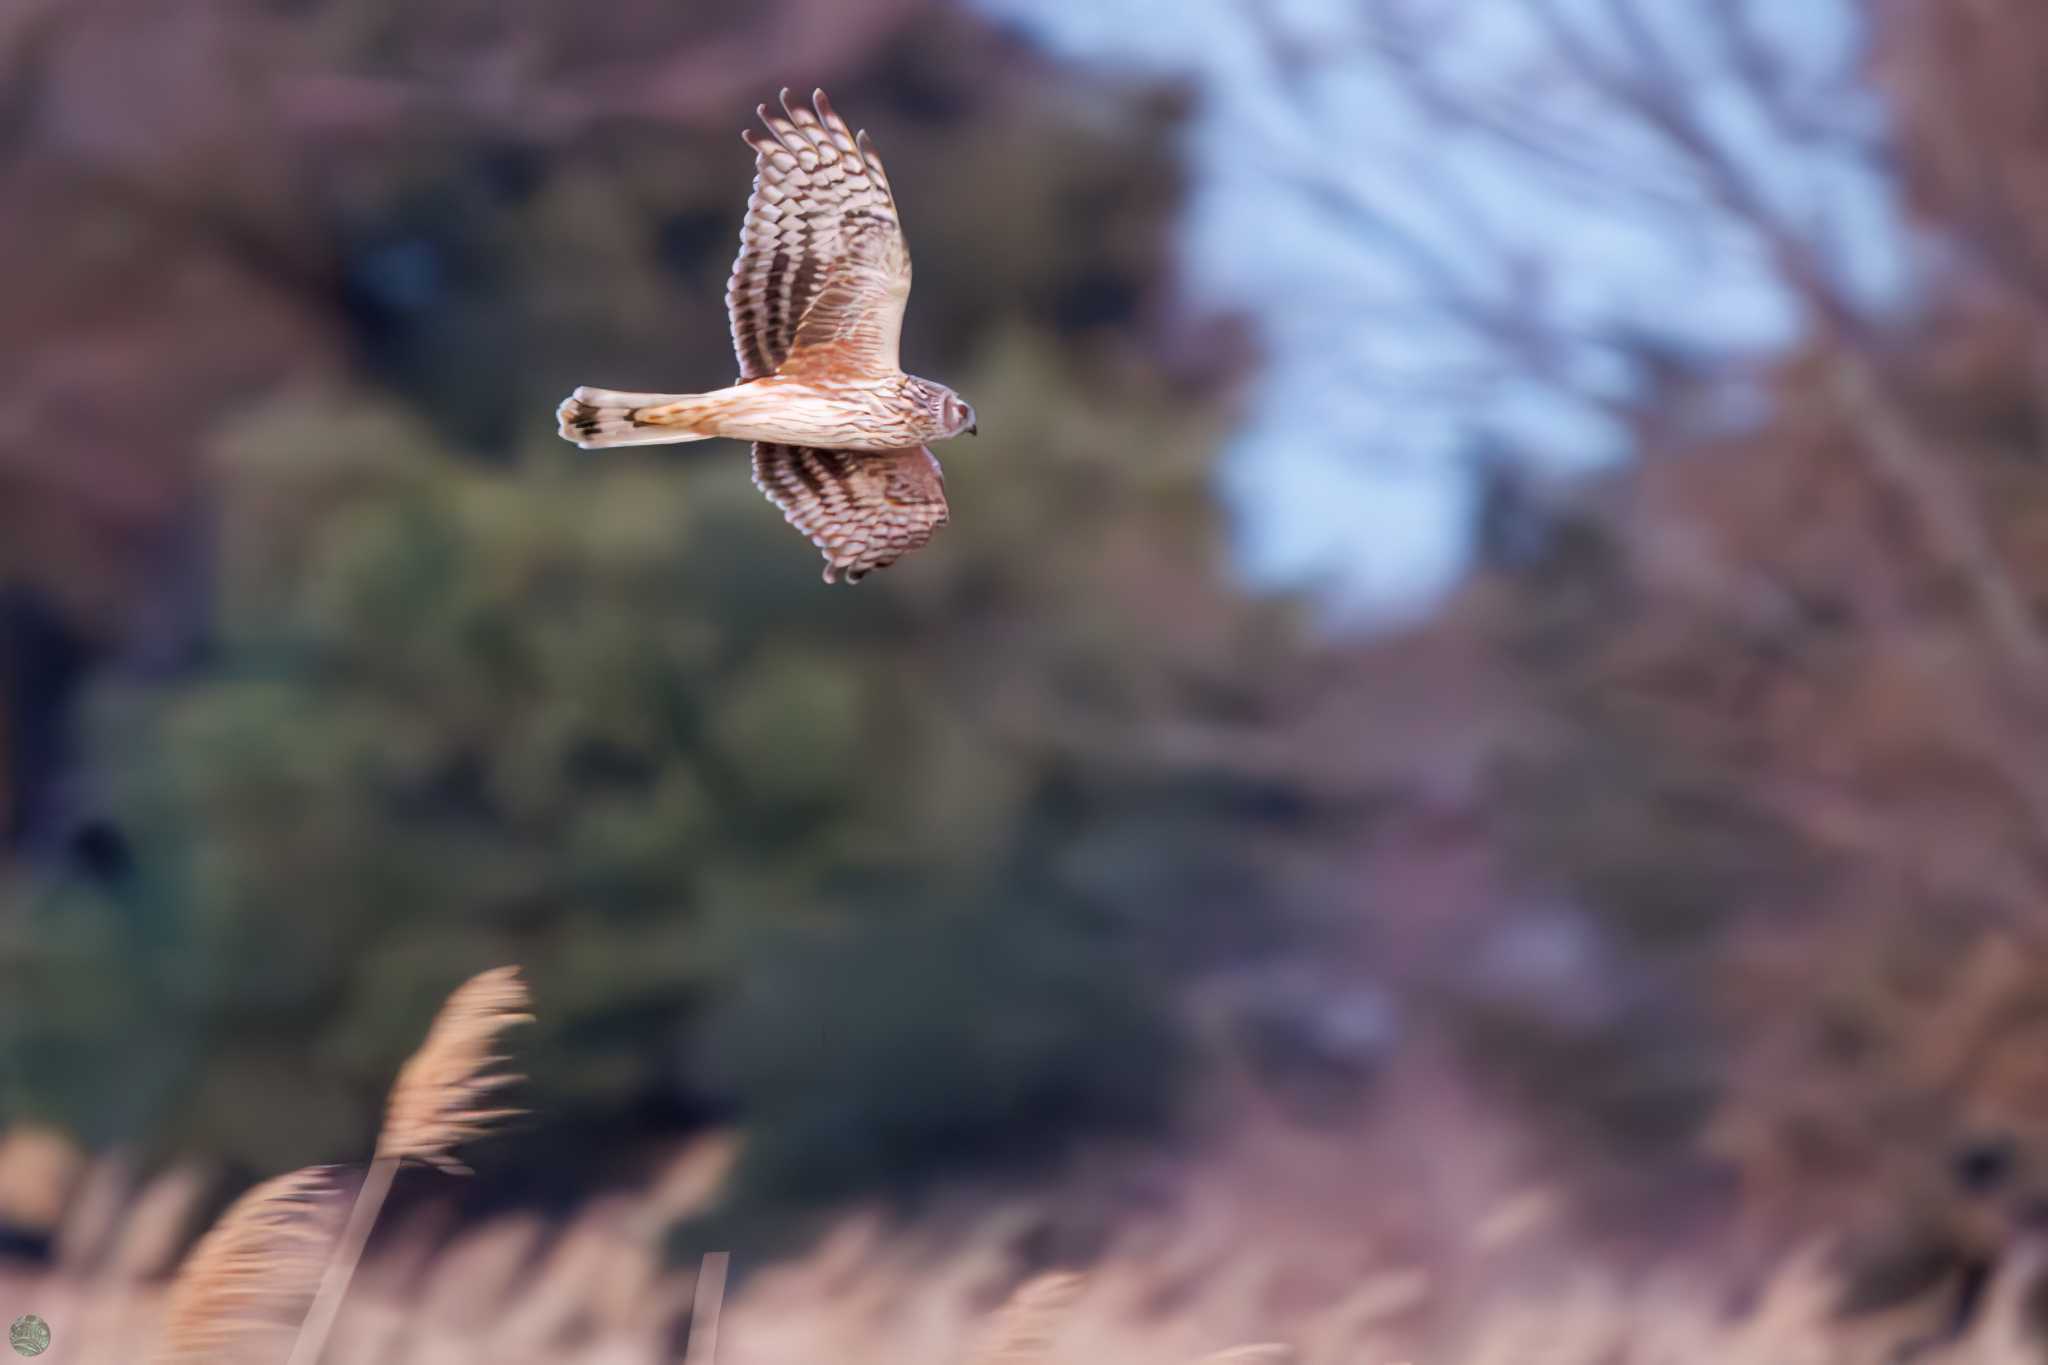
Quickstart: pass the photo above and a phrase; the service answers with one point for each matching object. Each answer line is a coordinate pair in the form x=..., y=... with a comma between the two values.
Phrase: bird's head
x=956, y=414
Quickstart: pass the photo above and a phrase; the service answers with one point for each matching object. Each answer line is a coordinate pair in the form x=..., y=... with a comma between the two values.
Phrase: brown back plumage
x=818, y=291
x=816, y=302
x=823, y=273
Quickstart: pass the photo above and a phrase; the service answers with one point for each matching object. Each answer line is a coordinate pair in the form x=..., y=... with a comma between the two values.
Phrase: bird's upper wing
x=823, y=272
x=864, y=509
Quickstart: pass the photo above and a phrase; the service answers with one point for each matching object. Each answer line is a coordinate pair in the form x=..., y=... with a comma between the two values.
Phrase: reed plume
x=438, y=1103
x=1026, y=1324
x=251, y=1277
x=1025, y=1329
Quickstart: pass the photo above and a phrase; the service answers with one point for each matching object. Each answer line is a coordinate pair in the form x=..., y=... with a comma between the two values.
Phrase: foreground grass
x=1214, y=1278
x=596, y=1295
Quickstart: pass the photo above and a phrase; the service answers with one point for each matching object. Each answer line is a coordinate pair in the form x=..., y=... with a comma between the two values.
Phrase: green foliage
x=877, y=866
x=470, y=697
x=929, y=1039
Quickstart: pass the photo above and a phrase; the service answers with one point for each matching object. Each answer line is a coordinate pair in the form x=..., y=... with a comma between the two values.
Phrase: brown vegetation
x=1702, y=837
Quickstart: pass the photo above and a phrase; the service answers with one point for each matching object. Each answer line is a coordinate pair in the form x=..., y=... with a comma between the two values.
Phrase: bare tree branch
x=1897, y=451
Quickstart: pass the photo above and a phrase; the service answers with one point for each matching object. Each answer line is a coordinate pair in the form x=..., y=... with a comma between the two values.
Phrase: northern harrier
x=816, y=300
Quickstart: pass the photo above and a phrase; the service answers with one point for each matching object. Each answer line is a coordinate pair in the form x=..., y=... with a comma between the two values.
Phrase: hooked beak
x=974, y=428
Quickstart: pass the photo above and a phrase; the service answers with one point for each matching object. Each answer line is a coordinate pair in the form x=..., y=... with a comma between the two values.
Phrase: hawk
x=816, y=299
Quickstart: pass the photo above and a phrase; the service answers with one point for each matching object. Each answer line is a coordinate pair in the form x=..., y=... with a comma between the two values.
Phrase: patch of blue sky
x=1374, y=242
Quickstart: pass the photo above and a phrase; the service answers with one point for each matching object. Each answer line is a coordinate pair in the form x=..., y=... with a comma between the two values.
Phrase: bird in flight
x=816, y=299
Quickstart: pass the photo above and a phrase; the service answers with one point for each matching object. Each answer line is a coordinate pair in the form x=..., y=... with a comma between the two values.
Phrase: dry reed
x=249, y=1280
x=1025, y=1327
x=436, y=1105
x=887, y=1296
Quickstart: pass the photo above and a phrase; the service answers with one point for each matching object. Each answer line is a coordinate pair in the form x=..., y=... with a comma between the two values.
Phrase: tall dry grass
x=438, y=1104
x=596, y=1292
x=440, y=1099
x=271, y=1274
x=1589, y=1317
x=1222, y=1272
x=246, y=1285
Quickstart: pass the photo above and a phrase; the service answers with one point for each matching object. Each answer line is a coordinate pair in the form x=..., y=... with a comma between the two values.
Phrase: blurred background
x=1481, y=723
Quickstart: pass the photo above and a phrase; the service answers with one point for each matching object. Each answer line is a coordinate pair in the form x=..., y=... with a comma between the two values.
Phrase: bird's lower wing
x=863, y=509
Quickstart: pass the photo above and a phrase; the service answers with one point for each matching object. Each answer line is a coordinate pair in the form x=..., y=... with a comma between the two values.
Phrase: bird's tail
x=598, y=418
